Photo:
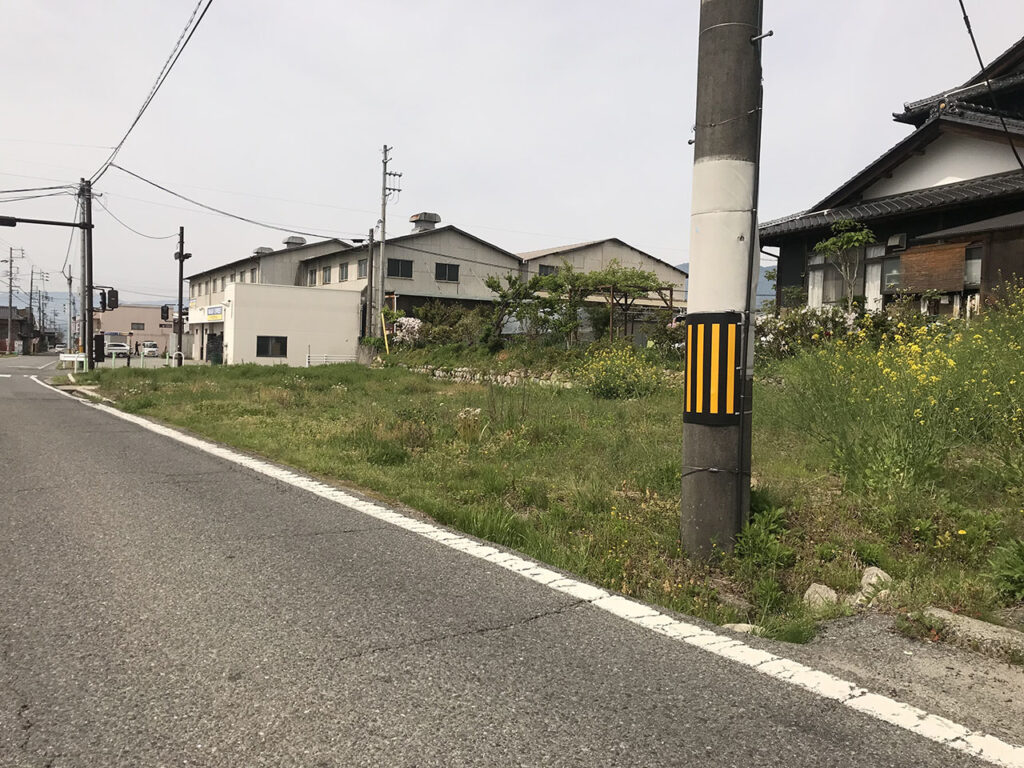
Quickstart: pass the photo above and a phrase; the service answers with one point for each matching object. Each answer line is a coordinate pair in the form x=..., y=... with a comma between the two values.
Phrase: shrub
x=1007, y=566
x=407, y=330
x=619, y=373
x=780, y=337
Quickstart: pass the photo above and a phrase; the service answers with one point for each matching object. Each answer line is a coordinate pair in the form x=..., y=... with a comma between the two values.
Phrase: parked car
x=116, y=349
x=150, y=349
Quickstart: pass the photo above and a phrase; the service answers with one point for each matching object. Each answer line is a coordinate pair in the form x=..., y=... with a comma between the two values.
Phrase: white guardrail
x=328, y=359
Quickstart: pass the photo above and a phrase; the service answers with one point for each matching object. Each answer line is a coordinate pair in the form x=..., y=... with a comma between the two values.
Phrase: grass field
x=846, y=473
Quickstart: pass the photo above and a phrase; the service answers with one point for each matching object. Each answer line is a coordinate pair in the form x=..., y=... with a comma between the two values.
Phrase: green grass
x=591, y=485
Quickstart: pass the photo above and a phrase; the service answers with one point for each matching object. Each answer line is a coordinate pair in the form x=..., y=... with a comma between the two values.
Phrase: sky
x=530, y=124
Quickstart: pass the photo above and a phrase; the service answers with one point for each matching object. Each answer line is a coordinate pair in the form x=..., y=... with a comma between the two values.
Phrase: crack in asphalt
x=464, y=633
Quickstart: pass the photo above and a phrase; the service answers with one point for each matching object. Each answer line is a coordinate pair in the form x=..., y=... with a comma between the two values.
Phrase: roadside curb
x=975, y=635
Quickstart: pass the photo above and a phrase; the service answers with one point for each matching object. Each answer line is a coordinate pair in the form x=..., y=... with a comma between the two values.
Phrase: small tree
x=509, y=301
x=844, y=250
x=623, y=286
x=567, y=292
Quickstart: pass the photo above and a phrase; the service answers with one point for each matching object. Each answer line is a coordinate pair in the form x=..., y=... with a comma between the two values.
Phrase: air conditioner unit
x=896, y=242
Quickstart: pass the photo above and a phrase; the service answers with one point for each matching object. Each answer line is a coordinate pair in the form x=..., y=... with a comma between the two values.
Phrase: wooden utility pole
x=723, y=276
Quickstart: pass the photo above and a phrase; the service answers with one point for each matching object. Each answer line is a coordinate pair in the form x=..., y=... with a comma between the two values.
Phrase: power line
x=988, y=83
x=172, y=59
x=130, y=229
x=31, y=189
x=71, y=238
x=223, y=212
x=33, y=197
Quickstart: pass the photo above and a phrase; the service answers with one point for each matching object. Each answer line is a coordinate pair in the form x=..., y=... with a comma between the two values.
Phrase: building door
x=215, y=348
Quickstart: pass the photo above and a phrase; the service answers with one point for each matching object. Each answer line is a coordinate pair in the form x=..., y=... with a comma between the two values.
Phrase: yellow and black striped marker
x=712, y=368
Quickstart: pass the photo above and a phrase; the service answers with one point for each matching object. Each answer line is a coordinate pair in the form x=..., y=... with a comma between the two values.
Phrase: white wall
x=951, y=157
x=322, y=322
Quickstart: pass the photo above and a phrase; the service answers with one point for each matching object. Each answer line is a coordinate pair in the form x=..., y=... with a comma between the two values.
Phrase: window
x=833, y=289
x=252, y=275
x=343, y=272
x=972, y=265
x=311, y=277
x=206, y=286
x=399, y=268
x=833, y=283
x=361, y=268
x=326, y=276
x=241, y=277
x=271, y=346
x=547, y=269
x=233, y=277
x=446, y=273
x=138, y=326
x=891, y=274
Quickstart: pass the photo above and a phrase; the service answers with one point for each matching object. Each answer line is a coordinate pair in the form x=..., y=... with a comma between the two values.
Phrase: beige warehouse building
x=132, y=323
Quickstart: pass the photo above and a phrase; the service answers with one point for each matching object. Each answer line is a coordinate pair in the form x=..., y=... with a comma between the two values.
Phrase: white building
x=277, y=306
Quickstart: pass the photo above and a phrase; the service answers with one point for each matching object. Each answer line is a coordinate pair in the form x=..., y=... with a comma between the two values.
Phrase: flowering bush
x=407, y=330
x=619, y=373
x=779, y=337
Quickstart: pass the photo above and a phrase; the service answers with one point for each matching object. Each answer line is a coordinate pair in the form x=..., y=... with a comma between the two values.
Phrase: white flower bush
x=407, y=330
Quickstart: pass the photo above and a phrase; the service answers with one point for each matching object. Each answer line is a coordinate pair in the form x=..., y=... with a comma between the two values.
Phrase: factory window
x=400, y=268
x=446, y=273
x=271, y=346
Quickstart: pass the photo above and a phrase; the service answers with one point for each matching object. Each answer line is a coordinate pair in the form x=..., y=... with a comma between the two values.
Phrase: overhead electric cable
x=131, y=229
x=33, y=189
x=71, y=237
x=988, y=83
x=223, y=212
x=34, y=197
x=172, y=59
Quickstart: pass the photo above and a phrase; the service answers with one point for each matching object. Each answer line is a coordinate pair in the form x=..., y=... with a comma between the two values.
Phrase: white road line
x=823, y=684
x=5, y=375
x=52, y=362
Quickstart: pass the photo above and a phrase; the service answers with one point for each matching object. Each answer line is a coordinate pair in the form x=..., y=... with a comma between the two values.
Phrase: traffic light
x=103, y=301
x=165, y=312
x=184, y=314
x=112, y=298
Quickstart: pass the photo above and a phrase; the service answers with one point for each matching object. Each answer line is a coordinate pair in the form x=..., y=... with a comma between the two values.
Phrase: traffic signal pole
x=723, y=253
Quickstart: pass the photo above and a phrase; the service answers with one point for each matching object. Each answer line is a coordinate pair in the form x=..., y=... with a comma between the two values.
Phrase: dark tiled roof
x=914, y=111
x=971, y=190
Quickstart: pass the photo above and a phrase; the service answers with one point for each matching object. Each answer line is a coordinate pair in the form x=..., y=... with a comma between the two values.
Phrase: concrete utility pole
x=371, y=266
x=10, y=295
x=180, y=257
x=390, y=186
x=32, y=320
x=723, y=253
x=85, y=192
x=67, y=342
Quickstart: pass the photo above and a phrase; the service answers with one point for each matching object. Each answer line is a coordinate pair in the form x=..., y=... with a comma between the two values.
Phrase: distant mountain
x=765, y=290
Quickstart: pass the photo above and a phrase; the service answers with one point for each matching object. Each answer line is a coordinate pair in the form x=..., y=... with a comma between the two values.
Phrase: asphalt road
x=162, y=607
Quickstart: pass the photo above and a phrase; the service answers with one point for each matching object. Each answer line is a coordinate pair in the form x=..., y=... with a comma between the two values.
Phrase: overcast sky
x=530, y=124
